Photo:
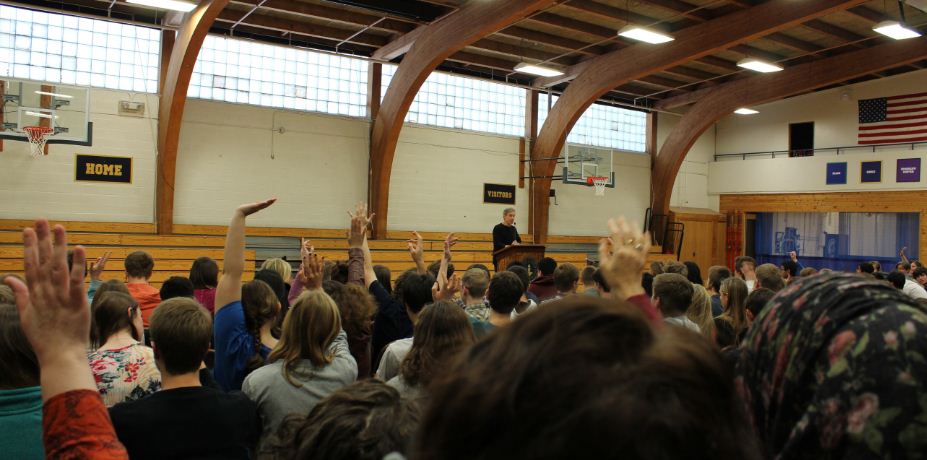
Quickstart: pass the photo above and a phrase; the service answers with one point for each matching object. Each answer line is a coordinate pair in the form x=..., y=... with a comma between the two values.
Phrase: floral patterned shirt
x=125, y=374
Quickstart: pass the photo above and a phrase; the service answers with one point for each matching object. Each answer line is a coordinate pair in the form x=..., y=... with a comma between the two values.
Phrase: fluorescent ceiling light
x=645, y=35
x=896, y=30
x=745, y=111
x=758, y=65
x=62, y=96
x=542, y=71
x=175, y=5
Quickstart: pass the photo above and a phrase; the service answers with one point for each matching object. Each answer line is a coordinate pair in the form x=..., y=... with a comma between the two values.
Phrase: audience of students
x=204, y=274
x=123, y=367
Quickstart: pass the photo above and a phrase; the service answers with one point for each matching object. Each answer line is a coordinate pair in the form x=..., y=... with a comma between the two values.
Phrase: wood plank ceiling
x=563, y=35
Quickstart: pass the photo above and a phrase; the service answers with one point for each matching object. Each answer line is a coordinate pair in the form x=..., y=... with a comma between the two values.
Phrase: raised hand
x=251, y=208
x=360, y=211
x=445, y=289
x=622, y=257
x=312, y=268
x=97, y=268
x=416, y=246
x=449, y=241
x=793, y=255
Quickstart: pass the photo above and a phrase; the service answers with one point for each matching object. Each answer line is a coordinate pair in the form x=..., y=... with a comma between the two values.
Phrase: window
x=604, y=126
x=41, y=46
x=248, y=72
x=466, y=103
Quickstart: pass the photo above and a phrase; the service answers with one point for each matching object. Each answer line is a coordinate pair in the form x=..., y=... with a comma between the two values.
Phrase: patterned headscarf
x=835, y=367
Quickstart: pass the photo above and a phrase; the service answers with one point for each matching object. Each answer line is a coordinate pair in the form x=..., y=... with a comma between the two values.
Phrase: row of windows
x=81, y=51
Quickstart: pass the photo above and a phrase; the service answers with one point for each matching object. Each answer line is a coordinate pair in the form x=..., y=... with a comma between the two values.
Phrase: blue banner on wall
x=870, y=172
x=837, y=173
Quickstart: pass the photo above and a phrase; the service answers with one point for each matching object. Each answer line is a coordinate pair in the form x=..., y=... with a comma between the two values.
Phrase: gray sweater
x=277, y=398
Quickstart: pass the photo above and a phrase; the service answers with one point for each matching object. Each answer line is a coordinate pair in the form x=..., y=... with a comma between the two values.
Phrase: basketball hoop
x=37, y=136
x=599, y=182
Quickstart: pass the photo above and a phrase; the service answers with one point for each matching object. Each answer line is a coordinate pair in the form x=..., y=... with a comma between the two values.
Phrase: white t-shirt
x=392, y=358
x=914, y=290
x=683, y=321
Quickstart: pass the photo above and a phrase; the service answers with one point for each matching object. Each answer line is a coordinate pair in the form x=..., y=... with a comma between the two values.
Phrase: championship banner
x=836, y=173
x=498, y=194
x=870, y=172
x=95, y=168
x=909, y=170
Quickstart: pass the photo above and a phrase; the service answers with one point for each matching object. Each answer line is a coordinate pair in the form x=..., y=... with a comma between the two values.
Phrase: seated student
x=122, y=366
x=732, y=324
x=473, y=293
x=694, y=273
x=908, y=286
x=851, y=384
x=808, y=271
x=279, y=288
x=865, y=268
x=543, y=286
x=600, y=284
x=204, y=274
x=185, y=419
x=139, y=266
x=20, y=394
x=367, y=420
x=311, y=361
x=442, y=331
x=415, y=292
x=281, y=267
x=176, y=286
x=745, y=269
x=920, y=276
x=716, y=275
x=770, y=277
x=700, y=313
x=357, y=309
x=245, y=314
x=566, y=280
x=529, y=300
x=103, y=288
x=675, y=267
x=585, y=388
x=789, y=269
x=647, y=283
x=385, y=277
x=587, y=277
x=503, y=295
x=756, y=301
x=672, y=295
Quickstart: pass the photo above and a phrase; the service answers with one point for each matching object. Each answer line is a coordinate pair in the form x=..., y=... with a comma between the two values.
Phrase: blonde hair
x=280, y=266
x=308, y=331
x=699, y=311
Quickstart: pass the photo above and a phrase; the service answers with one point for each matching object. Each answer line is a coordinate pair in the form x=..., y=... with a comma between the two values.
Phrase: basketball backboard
x=582, y=163
x=64, y=108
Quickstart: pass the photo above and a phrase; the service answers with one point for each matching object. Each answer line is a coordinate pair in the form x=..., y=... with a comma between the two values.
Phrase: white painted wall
x=579, y=212
x=690, y=190
x=835, y=121
x=45, y=186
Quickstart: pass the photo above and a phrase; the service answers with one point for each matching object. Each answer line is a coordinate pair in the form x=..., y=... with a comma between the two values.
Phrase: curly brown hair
x=355, y=305
x=442, y=331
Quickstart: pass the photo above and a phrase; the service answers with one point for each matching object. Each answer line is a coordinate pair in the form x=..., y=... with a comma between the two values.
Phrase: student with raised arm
x=621, y=260
x=55, y=317
x=244, y=314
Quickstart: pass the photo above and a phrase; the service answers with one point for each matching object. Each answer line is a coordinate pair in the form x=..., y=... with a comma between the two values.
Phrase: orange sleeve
x=76, y=425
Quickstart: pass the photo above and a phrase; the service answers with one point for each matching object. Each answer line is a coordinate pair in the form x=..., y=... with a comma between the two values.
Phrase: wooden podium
x=517, y=253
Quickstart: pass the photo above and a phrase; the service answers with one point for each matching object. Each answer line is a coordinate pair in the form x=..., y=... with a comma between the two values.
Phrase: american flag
x=893, y=120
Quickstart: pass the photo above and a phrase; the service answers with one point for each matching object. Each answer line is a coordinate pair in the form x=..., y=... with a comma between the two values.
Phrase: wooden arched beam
x=723, y=100
x=427, y=47
x=187, y=46
x=600, y=75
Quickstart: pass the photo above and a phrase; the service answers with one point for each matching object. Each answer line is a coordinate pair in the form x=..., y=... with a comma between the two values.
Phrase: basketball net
x=37, y=136
x=599, y=182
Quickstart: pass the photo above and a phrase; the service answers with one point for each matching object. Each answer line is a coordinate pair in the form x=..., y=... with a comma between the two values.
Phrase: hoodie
x=147, y=297
x=543, y=287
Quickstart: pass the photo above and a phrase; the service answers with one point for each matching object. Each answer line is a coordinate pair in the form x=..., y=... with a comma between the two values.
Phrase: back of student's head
x=180, y=332
x=475, y=281
x=647, y=283
x=675, y=267
x=273, y=279
x=566, y=275
x=865, y=267
x=522, y=273
x=591, y=384
x=769, y=277
x=601, y=283
x=699, y=311
x=736, y=309
x=505, y=291
x=435, y=267
x=415, y=290
x=109, y=286
x=742, y=261
x=694, y=273
x=758, y=299
x=114, y=312
x=19, y=367
x=363, y=421
x=479, y=266
x=176, y=286
x=587, y=276
x=340, y=272
x=717, y=274
x=674, y=292
x=6, y=294
x=876, y=265
x=282, y=267
x=139, y=264
x=897, y=279
x=441, y=332
x=808, y=271
x=260, y=305
x=355, y=305
x=309, y=329
x=385, y=277
x=656, y=267
x=547, y=266
x=903, y=266
x=204, y=273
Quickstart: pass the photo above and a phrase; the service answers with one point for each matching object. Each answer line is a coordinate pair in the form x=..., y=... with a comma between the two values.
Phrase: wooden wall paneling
x=187, y=45
x=598, y=76
x=427, y=48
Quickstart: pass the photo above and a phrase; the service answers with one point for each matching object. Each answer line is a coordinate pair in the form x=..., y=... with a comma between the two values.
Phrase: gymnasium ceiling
x=564, y=34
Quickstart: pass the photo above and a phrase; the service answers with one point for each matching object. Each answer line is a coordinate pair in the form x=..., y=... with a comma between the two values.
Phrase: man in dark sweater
x=504, y=234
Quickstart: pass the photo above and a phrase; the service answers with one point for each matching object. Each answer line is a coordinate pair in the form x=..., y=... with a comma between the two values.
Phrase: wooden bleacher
x=174, y=254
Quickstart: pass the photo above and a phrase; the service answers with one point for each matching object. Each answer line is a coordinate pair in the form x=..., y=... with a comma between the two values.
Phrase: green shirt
x=21, y=423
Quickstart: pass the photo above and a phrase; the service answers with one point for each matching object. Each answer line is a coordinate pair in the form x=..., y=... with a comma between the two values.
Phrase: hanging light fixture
x=643, y=34
x=759, y=65
x=539, y=70
x=897, y=29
